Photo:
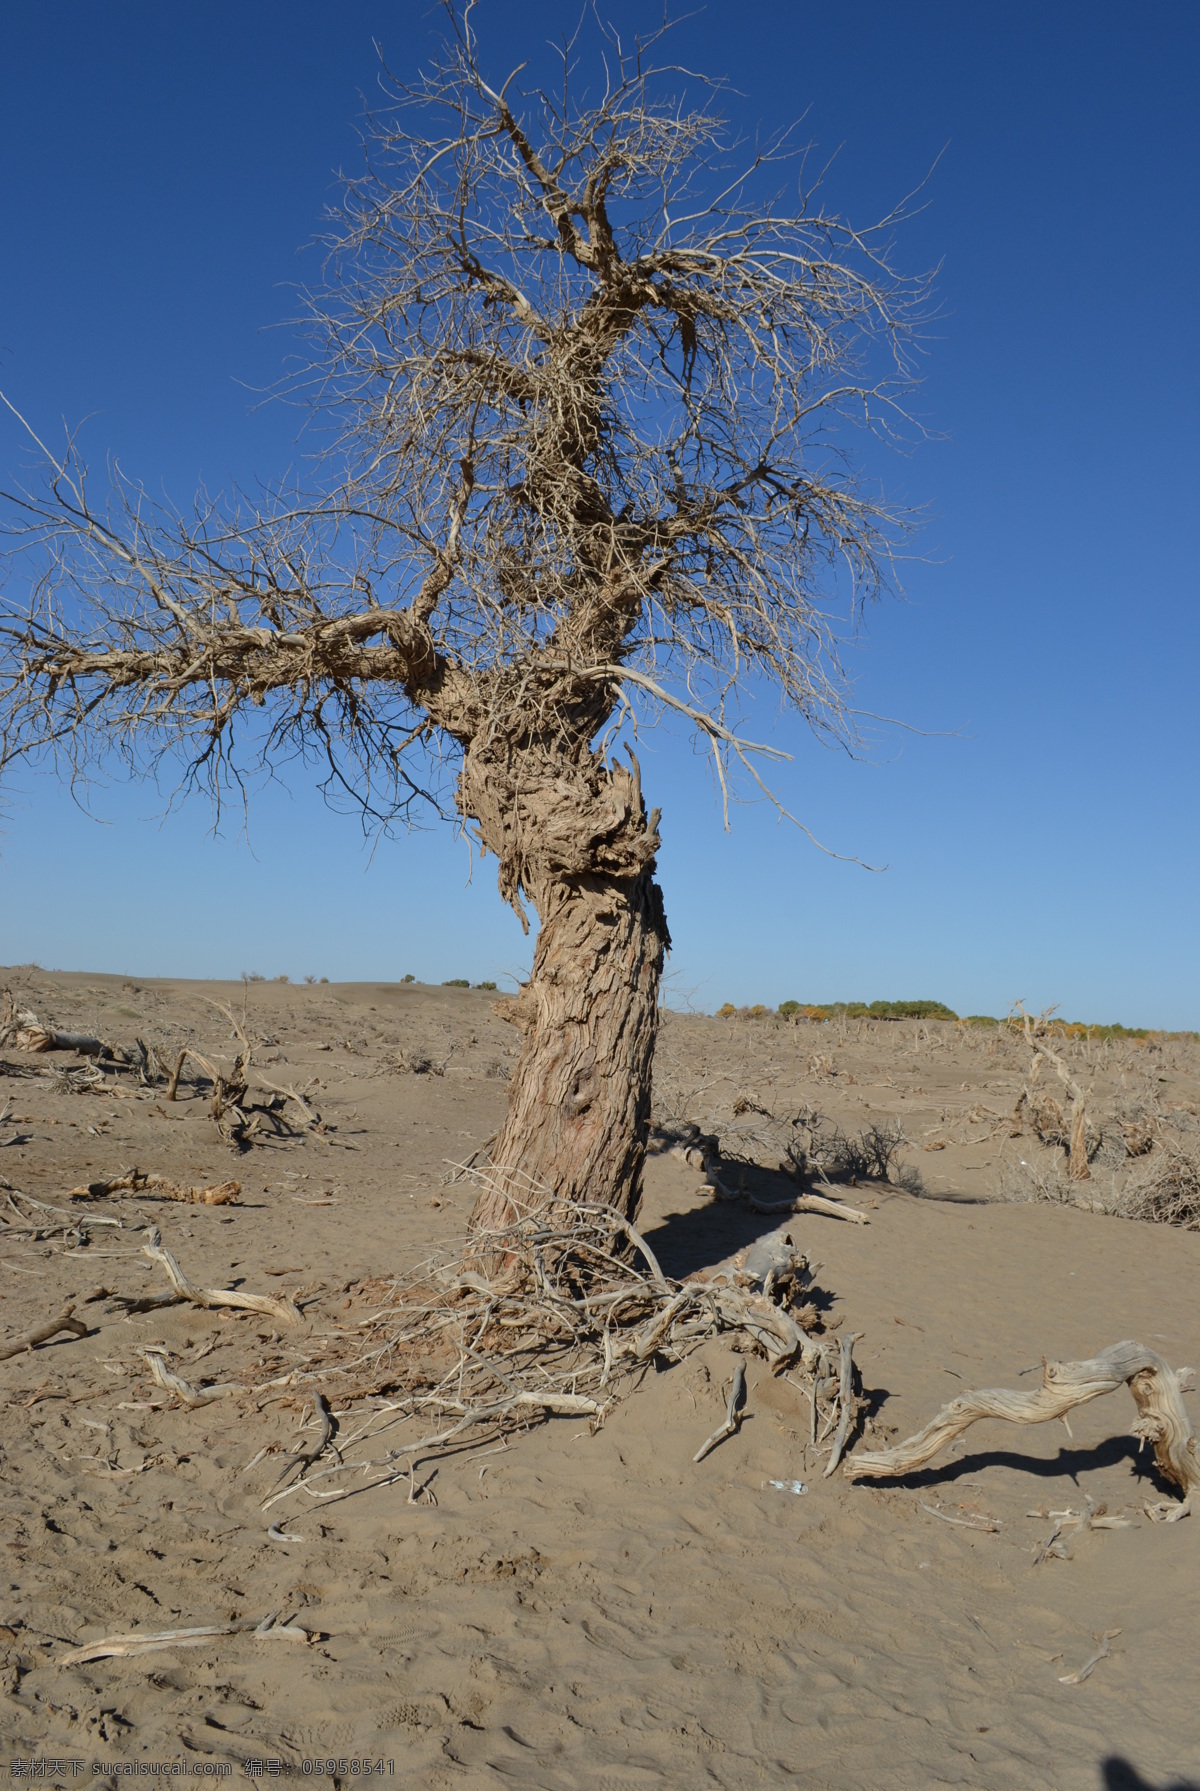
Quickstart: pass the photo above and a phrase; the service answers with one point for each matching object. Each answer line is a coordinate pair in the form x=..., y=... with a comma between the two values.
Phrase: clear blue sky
x=164, y=164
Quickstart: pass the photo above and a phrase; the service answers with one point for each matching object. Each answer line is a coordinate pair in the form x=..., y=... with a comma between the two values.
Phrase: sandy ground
x=577, y=1610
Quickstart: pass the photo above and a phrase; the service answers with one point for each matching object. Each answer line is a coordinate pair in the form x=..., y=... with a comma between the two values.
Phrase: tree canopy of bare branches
x=580, y=354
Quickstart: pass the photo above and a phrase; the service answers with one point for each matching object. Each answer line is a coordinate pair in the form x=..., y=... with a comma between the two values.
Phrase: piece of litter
x=791, y=1486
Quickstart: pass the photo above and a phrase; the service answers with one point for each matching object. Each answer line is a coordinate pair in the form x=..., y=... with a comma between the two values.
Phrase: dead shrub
x=871, y=1155
x=1165, y=1188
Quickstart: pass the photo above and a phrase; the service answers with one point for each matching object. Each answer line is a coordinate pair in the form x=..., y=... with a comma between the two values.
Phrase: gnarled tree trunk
x=580, y=846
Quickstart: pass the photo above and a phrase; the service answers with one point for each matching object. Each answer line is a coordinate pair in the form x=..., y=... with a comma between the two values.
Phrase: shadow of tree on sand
x=1067, y=1463
x=705, y=1231
x=1117, y=1774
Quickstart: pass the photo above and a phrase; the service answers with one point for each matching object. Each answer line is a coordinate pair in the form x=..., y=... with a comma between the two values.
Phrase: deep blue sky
x=162, y=165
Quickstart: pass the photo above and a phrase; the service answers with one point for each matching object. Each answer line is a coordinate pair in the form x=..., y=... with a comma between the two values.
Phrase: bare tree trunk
x=581, y=847
x=579, y=1107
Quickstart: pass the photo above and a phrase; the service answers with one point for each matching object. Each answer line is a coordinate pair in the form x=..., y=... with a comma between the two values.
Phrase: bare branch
x=581, y=366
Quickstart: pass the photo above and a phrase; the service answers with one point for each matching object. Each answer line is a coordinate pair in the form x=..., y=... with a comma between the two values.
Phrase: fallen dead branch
x=140, y=1642
x=1035, y=1038
x=282, y=1309
x=733, y=1414
x=134, y=1181
x=808, y=1203
x=1089, y=1666
x=963, y=1523
x=237, y=1116
x=175, y=1383
x=1163, y=1421
x=36, y=1220
x=845, y=1400
x=299, y=1464
x=701, y=1152
x=1093, y=1517
x=21, y=1027
x=29, y=1340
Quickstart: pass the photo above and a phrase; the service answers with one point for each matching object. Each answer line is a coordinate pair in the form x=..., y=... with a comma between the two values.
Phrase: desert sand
x=580, y=1610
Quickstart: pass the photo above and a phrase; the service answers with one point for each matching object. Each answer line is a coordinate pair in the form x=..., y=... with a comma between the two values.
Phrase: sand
x=578, y=1610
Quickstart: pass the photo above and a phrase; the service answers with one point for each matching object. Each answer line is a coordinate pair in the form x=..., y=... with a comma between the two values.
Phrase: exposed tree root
x=1164, y=1420
x=35, y=1220
x=566, y=1325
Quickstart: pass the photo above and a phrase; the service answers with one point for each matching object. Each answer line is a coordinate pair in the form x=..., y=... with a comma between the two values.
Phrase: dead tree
x=1035, y=1032
x=580, y=365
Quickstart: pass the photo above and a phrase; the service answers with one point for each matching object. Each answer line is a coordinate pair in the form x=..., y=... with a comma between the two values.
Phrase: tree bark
x=582, y=849
x=579, y=1106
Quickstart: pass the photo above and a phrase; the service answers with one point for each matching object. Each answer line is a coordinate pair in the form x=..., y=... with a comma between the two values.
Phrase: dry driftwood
x=282, y=1309
x=702, y=1155
x=42, y=1333
x=175, y=1383
x=845, y=1399
x=20, y=1026
x=44, y=1220
x=1163, y=1421
x=1077, y=1159
x=237, y=1116
x=140, y=1642
x=572, y=1405
x=300, y=1463
x=1104, y=1637
x=733, y=1413
x=809, y=1203
x=134, y=1181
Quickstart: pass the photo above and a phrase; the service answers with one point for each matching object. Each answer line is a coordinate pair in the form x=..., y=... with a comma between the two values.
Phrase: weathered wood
x=43, y=1333
x=1077, y=1157
x=282, y=1309
x=733, y=1414
x=184, y=1390
x=808, y=1203
x=134, y=1181
x=144, y=1642
x=579, y=1103
x=845, y=1400
x=1163, y=1421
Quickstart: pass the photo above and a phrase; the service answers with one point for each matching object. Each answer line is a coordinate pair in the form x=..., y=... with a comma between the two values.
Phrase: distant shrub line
x=864, y=1010
x=933, y=1010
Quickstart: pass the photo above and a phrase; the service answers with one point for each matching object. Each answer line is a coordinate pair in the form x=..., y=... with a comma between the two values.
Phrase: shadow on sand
x=1117, y=1774
x=1068, y=1463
